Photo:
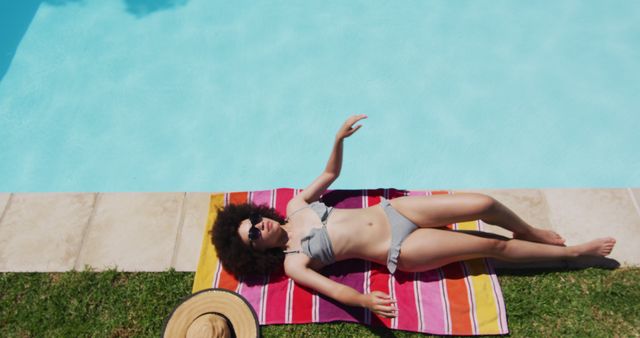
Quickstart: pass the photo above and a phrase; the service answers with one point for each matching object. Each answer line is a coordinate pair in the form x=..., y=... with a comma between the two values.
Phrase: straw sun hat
x=212, y=313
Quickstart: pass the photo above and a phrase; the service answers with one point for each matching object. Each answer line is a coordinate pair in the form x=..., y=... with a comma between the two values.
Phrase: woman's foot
x=541, y=236
x=597, y=247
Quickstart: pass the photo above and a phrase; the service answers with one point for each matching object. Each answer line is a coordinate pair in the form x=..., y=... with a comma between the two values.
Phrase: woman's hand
x=347, y=128
x=380, y=303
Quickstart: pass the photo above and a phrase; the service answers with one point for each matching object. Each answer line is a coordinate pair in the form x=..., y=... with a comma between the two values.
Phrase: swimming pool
x=195, y=95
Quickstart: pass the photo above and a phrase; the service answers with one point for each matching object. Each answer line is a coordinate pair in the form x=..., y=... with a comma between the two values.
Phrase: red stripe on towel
x=406, y=301
x=379, y=281
x=282, y=198
x=275, y=307
x=302, y=310
x=373, y=197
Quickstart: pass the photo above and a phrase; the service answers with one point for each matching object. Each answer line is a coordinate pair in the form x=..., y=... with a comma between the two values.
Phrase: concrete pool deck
x=47, y=232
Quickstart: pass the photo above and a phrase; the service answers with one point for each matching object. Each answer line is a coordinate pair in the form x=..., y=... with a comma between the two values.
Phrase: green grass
x=589, y=302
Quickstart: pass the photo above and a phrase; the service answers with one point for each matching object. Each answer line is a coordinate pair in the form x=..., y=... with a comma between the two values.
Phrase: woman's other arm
x=334, y=165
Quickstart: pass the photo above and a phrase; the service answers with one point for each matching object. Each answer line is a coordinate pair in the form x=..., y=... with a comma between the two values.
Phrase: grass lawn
x=591, y=302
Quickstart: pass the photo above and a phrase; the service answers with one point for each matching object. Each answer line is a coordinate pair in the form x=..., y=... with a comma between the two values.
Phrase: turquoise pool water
x=198, y=95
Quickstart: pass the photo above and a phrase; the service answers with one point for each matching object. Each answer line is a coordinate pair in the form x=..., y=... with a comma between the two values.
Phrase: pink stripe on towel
x=433, y=320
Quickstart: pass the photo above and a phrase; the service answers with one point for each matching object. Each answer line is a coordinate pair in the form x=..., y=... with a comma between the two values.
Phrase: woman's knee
x=482, y=204
x=498, y=247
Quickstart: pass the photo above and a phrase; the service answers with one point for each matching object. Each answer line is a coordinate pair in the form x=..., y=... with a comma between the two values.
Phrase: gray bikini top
x=317, y=244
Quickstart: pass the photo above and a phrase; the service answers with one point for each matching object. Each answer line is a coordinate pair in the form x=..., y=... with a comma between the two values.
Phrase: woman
x=405, y=233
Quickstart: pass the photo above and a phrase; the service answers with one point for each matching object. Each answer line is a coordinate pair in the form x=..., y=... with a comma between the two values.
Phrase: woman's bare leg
x=439, y=210
x=427, y=249
x=498, y=214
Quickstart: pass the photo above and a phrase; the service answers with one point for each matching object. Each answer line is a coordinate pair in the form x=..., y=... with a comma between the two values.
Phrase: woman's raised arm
x=334, y=165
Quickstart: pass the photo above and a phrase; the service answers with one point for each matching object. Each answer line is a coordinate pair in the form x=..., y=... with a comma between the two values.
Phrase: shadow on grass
x=534, y=269
x=380, y=331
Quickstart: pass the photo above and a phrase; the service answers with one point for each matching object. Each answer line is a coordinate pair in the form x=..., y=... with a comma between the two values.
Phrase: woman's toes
x=559, y=238
x=610, y=242
x=553, y=237
x=597, y=247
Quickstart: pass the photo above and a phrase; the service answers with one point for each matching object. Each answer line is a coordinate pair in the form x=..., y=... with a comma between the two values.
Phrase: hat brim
x=229, y=304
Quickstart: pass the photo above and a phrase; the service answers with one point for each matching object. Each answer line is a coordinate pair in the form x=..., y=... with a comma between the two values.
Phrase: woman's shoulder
x=295, y=204
x=296, y=261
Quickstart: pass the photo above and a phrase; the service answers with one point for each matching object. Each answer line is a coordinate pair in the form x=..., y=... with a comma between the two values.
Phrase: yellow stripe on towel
x=469, y=225
x=206, y=264
x=485, y=302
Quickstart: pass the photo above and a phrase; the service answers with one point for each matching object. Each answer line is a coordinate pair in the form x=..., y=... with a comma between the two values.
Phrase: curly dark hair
x=235, y=256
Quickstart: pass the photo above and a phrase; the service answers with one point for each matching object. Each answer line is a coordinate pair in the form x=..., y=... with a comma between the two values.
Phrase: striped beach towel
x=462, y=298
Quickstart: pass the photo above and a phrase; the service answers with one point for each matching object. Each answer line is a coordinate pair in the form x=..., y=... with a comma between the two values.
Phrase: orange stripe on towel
x=238, y=197
x=458, y=295
x=226, y=280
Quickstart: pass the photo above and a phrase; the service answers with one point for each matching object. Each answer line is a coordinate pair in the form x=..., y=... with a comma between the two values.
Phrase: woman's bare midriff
x=360, y=233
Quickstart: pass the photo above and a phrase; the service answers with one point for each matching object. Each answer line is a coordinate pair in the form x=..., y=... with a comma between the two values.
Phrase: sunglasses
x=254, y=232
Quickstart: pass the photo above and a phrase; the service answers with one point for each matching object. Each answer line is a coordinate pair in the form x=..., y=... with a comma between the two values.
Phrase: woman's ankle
x=574, y=251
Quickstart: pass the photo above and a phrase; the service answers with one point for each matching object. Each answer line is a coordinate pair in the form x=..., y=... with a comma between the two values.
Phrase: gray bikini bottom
x=401, y=227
